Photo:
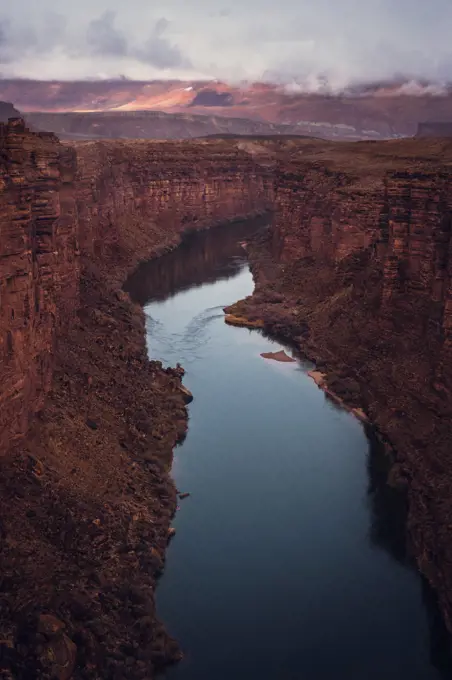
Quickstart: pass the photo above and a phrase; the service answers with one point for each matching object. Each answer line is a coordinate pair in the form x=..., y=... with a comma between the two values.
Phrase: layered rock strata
x=135, y=198
x=357, y=272
x=88, y=422
x=39, y=268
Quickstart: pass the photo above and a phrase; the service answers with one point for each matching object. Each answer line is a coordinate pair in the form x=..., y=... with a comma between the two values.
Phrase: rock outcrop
x=38, y=268
x=88, y=423
x=357, y=271
x=136, y=198
x=126, y=202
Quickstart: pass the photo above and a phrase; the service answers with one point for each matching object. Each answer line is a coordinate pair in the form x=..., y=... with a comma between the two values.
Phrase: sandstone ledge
x=243, y=321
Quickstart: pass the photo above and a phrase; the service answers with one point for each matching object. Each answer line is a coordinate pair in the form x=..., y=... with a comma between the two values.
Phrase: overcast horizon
x=231, y=40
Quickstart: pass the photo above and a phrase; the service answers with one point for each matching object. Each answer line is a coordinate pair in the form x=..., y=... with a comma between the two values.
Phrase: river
x=289, y=560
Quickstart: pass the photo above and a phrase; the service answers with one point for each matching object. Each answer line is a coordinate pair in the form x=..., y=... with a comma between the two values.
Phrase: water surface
x=289, y=560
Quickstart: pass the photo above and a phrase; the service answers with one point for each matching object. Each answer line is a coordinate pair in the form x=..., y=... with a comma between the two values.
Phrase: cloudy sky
x=304, y=40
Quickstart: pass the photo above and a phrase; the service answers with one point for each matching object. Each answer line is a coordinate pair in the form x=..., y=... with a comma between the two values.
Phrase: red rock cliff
x=126, y=201
x=87, y=490
x=357, y=270
x=136, y=198
x=38, y=268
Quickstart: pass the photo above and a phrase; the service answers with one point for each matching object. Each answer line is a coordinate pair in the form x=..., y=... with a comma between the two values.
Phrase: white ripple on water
x=185, y=346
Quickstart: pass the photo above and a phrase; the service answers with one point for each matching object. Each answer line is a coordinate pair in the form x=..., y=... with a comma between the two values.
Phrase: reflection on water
x=387, y=507
x=290, y=558
x=202, y=257
x=440, y=647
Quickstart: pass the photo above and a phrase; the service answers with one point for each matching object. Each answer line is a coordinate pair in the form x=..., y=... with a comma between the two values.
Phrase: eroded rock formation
x=126, y=202
x=85, y=497
x=38, y=268
x=357, y=271
x=136, y=198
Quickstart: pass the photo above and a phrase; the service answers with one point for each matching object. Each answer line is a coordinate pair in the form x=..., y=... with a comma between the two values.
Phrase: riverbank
x=363, y=371
x=265, y=454
x=90, y=496
x=88, y=422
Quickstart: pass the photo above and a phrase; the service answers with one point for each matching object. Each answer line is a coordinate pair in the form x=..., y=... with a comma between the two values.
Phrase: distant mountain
x=150, y=125
x=435, y=129
x=369, y=111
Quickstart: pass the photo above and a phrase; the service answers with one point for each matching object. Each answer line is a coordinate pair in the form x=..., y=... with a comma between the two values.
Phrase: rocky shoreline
x=89, y=491
x=272, y=309
x=88, y=422
x=86, y=504
x=280, y=307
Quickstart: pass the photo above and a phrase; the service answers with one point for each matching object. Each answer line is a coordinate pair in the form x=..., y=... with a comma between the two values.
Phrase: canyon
x=355, y=270
x=86, y=497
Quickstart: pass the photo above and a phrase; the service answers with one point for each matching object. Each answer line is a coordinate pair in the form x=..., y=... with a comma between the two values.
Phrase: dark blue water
x=289, y=559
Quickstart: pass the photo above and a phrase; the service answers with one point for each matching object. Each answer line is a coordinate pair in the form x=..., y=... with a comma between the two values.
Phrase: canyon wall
x=123, y=203
x=135, y=198
x=38, y=268
x=394, y=230
x=88, y=422
x=357, y=272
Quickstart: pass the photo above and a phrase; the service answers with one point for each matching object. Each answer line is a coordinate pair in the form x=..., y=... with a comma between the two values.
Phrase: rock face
x=38, y=268
x=126, y=202
x=136, y=198
x=357, y=270
x=85, y=497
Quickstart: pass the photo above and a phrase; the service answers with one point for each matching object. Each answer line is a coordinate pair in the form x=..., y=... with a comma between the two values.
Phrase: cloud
x=5, y=54
x=105, y=39
x=159, y=51
x=305, y=45
x=19, y=39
